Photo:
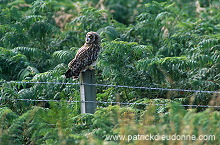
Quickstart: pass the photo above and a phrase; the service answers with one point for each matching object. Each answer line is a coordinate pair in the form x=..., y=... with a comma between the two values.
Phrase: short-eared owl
x=85, y=56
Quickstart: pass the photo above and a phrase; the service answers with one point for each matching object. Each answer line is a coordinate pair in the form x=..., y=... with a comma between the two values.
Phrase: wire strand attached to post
x=115, y=86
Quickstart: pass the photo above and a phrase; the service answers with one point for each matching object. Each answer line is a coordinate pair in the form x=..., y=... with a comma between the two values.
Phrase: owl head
x=92, y=37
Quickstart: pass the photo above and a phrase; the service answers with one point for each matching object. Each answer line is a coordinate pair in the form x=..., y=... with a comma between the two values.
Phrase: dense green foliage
x=162, y=43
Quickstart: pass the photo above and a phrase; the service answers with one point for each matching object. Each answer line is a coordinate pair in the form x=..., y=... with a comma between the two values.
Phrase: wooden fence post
x=88, y=92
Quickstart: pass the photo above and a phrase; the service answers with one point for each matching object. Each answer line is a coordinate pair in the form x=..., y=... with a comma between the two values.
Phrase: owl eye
x=90, y=37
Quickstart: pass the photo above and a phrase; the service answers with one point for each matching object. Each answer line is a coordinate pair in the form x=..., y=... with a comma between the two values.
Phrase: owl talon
x=75, y=77
x=91, y=68
x=84, y=70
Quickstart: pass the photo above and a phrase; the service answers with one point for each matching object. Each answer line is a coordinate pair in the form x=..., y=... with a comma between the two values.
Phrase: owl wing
x=84, y=57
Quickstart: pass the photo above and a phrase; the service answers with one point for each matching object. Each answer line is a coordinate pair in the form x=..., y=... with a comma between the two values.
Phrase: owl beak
x=88, y=39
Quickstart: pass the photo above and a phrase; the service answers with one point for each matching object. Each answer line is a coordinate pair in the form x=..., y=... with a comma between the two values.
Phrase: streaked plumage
x=85, y=56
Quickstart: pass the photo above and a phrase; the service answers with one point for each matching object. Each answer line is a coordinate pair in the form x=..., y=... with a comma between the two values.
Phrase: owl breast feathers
x=85, y=56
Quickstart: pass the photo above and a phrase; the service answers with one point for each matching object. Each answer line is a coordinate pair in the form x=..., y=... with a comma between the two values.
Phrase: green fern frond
x=43, y=76
x=108, y=33
x=5, y=53
x=14, y=39
x=159, y=109
x=26, y=94
x=27, y=73
x=208, y=43
x=60, y=68
x=162, y=16
x=63, y=56
x=10, y=15
x=91, y=19
x=53, y=74
x=44, y=7
x=155, y=7
x=28, y=20
x=18, y=128
x=37, y=58
x=40, y=30
x=7, y=117
x=143, y=16
x=15, y=58
x=31, y=53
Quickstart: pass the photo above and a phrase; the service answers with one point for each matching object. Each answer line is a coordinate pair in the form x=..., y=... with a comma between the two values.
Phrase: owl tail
x=70, y=74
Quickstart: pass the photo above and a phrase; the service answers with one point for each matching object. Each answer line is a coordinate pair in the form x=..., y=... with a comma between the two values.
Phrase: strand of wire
x=116, y=86
x=112, y=102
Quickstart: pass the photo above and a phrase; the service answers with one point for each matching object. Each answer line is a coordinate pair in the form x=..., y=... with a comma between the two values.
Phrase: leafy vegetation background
x=163, y=43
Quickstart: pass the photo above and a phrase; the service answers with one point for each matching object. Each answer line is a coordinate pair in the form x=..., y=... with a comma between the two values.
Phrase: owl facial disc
x=92, y=37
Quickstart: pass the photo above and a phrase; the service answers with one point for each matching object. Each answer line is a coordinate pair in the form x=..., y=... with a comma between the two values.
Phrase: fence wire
x=116, y=86
x=112, y=102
